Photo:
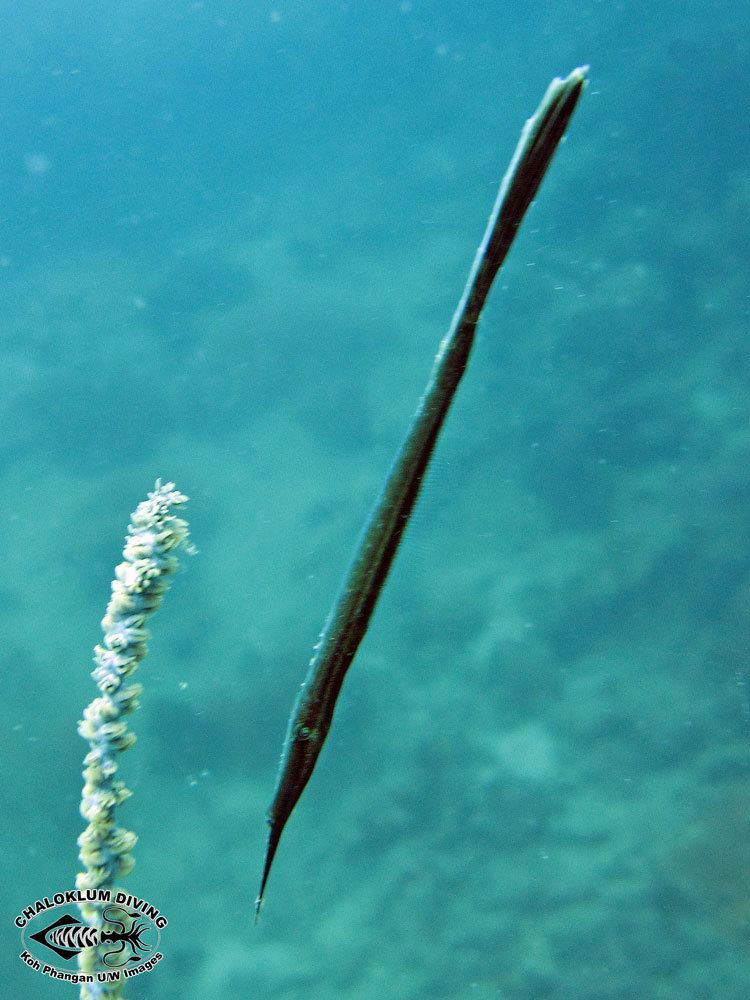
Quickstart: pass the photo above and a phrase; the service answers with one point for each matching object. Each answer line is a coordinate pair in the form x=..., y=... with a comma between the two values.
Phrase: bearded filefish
x=347, y=623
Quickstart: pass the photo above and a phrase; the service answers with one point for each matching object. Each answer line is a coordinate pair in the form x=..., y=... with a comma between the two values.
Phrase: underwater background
x=231, y=238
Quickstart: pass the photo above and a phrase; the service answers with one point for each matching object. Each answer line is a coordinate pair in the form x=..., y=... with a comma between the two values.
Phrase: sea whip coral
x=155, y=534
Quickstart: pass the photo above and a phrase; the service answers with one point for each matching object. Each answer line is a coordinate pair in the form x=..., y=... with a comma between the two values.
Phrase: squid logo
x=125, y=944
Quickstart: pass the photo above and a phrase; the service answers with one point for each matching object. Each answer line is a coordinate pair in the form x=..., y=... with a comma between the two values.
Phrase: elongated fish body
x=348, y=621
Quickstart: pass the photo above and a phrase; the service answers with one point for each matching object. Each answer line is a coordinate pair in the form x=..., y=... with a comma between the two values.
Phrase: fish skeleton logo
x=68, y=936
x=126, y=945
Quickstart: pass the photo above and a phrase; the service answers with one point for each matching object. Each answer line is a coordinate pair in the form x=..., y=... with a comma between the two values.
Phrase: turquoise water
x=231, y=238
